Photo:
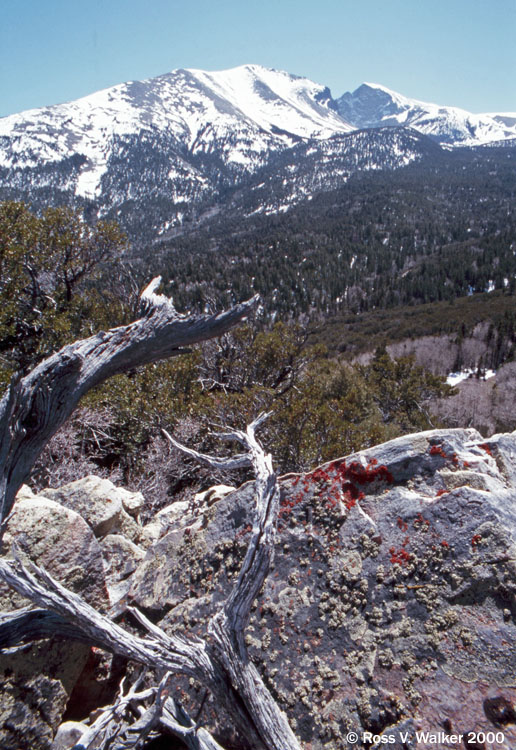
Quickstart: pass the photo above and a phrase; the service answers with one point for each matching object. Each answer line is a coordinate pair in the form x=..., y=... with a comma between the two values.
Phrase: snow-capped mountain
x=239, y=115
x=155, y=154
x=373, y=106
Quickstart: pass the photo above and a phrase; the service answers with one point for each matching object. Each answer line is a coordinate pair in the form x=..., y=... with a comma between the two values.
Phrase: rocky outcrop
x=391, y=607
x=36, y=681
x=392, y=602
x=106, y=508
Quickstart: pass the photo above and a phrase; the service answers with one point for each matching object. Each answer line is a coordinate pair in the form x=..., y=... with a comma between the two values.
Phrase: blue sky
x=459, y=52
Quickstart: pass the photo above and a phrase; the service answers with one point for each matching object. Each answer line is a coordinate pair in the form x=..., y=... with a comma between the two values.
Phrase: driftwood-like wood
x=36, y=405
x=110, y=722
x=227, y=626
x=32, y=410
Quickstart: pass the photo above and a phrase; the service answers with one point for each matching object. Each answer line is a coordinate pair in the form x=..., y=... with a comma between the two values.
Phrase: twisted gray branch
x=36, y=405
x=31, y=411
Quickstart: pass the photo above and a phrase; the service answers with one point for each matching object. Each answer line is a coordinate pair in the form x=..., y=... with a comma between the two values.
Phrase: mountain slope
x=162, y=153
x=373, y=106
x=314, y=167
x=241, y=115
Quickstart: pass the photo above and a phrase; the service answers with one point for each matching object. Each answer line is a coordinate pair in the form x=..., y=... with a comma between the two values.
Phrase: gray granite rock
x=36, y=681
x=97, y=500
x=392, y=603
x=121, y=558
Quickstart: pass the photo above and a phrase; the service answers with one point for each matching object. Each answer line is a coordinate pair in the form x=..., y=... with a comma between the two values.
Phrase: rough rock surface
x=68, y=735
x=36, y=681
x=121, y=558
x=392, y=603
x=105, y=507
x=391, y=606
x=174, y=515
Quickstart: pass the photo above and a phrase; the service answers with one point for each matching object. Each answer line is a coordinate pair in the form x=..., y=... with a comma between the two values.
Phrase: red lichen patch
x=400, y=556
x=486, y=448
x=438, y=450
x=475, y=541
x=440, y=493
x=288, y=503
x=342, y=482
x=403, y=525
x=445, y=544
x=243, y=531
x=337, y=485
x=355, y=473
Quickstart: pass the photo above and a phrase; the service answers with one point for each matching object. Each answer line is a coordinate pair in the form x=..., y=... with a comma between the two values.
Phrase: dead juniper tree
x=31, y=411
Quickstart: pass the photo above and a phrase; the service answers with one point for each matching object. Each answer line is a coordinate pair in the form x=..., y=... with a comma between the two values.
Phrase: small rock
x=132, y=502
x=68, y=735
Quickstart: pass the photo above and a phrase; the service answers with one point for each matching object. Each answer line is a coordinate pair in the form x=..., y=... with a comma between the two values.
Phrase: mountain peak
x=373, y=105
x=242, y=114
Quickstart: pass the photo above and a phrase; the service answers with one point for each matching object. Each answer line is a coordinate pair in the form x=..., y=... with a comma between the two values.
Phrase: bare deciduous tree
x=30, y=413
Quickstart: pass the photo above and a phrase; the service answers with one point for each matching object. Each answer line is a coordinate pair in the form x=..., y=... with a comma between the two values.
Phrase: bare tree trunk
x=35, y=406
x=32, y=410
x=227, y=626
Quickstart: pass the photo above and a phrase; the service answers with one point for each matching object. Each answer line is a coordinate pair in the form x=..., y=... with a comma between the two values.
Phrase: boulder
x=181, y=514
x=58, y=539
x=391, y=606
x=106, y=508
x=121, y=558
x=36, y=681
x=164, y=520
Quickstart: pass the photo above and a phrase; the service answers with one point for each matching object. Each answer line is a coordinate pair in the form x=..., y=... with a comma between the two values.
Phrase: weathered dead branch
x=36, y=405
x=30, y=413
x=227, y=626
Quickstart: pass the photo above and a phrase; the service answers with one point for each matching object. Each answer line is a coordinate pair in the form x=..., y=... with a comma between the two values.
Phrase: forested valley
x=362, y=288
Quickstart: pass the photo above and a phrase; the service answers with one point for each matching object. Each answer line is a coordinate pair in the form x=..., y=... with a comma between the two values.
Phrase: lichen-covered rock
x=164, y=520
x=101, y=504
x=36, y=681
x=58, y=539
x=180, y=514
x=391, y=606
x=121, y=558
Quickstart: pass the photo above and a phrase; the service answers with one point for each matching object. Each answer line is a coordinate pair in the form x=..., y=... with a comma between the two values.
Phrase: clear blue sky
x=459, y=52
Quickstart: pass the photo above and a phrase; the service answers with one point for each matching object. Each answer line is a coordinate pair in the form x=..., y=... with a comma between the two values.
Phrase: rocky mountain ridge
x=168, y=146
x=375, y=106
